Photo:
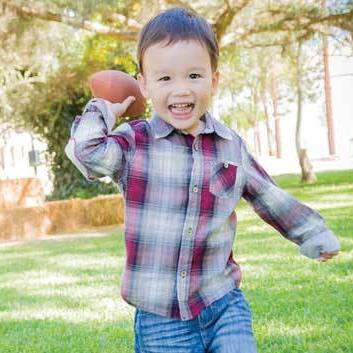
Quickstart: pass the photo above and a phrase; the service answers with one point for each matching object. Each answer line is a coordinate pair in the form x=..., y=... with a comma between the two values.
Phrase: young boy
x=182, y=174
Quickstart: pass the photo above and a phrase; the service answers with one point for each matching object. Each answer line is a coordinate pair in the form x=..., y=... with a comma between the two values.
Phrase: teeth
x=183, y=105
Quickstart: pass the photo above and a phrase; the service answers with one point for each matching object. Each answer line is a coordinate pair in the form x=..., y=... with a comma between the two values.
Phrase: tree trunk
x=256, y=150
x=328, y=95
x=257, y=138
x=255, y=99
x=278, y=137
x=308, y=175
x=269, y=132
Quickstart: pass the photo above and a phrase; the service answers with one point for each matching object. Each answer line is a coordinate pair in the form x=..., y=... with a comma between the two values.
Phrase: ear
x=215, y=81
x=142, y=84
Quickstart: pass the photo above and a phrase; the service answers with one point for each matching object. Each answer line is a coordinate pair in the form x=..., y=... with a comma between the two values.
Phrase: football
x=115, y=86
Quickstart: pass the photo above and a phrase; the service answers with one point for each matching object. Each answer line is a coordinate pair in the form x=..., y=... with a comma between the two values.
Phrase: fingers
x=120, y=108
x=128, y=101
x=324, y=256
x=125, y=105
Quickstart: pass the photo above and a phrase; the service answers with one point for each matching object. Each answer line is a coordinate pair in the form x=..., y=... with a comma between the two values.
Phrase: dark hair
x=177, y=24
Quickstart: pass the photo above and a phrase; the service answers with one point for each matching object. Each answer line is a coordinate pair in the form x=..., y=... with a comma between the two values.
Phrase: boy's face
x=179, y=73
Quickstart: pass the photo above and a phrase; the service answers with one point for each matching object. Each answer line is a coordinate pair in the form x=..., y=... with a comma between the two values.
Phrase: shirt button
x=196, y=147
x=225, y=165
x=183, y=274
x=189, y=230
x=195, y=189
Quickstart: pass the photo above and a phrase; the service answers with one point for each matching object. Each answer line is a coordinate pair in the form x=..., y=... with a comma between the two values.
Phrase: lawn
x=62, y=295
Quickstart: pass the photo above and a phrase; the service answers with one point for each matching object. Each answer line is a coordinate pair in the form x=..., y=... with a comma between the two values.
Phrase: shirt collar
x=161, y=128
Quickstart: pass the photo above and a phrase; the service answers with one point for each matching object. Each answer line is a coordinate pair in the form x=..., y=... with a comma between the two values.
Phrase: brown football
x=115, y=86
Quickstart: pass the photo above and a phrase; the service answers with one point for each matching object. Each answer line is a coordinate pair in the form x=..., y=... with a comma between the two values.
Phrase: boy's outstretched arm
x=94, y=148
x=294, y=220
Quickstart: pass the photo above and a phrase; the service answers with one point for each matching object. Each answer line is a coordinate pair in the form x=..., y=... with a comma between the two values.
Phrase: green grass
x=62, y=295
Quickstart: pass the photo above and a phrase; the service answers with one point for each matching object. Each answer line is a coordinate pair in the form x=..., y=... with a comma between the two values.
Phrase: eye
x=195, y=75
x=165, y=78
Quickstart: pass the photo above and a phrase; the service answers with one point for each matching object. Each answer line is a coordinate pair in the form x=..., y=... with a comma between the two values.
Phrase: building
x=22, y=156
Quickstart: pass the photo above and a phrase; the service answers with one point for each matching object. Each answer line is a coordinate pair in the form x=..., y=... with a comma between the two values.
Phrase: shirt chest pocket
x=223, y=178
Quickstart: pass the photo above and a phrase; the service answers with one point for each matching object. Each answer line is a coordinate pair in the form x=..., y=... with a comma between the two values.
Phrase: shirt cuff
x=105, y=107
x=322, y=242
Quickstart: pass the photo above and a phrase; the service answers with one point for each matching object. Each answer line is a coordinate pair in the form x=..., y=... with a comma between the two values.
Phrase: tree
x=276, y=115
x=264, y=99
x=261, y=23
x=308, y=175
x=242, y=80
x=58, y=87
x=63, y=30
x=328, y=98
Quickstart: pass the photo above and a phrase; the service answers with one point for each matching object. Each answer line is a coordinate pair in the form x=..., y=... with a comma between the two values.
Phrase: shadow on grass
x=55, y=336
x=305, y=319
x=12, y=298
x=306, y=343
x=291, y=181
x=111, y=244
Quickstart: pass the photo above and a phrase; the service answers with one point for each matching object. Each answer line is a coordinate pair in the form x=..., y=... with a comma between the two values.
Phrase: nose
x=181, y=89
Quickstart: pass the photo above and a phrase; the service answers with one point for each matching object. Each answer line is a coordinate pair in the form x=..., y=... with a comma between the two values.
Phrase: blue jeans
x=222, y=327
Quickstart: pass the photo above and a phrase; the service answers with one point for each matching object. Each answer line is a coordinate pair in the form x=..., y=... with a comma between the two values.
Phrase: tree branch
x=279, y=20
x=25, y=11
x=225, y=17
x=342, y=20
x=292, y=23
x=180, y=3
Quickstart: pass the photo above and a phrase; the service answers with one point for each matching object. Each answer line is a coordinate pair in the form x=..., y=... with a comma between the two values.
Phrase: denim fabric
x=222, y=327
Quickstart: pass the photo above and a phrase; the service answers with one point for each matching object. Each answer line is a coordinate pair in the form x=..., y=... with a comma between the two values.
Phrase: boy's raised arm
x=294, y=220
x=94, y=148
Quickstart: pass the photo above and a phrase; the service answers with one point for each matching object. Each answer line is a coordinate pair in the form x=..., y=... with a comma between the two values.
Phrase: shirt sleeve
x=294, y=220
x=94, y=148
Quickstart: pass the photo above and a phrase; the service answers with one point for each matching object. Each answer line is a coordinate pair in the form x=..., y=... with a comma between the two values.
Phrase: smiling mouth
x=182, y=108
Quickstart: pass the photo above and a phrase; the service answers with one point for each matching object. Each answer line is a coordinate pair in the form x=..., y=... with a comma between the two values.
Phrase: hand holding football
x=115, y=86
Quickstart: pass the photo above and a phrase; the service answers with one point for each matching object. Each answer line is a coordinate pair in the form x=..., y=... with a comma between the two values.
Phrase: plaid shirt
x=180, y=193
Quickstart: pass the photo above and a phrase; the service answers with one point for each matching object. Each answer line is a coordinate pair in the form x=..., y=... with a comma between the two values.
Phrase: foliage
x=243, y=75
x=50, y=47
x=58, y=86
x=98, y=54
x=68, y=181
x=232, y=76
x=312, y=68
x=101, y=53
